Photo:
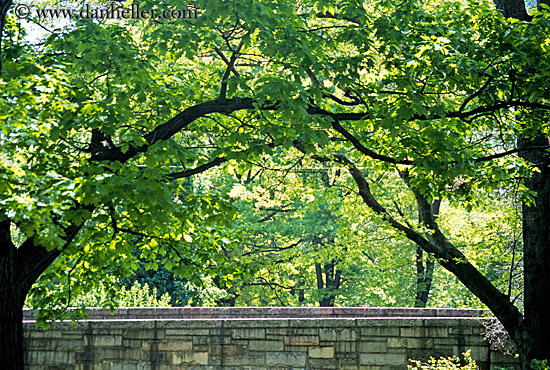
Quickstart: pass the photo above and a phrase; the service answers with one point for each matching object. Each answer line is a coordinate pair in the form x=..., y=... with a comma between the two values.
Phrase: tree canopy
x=109, y=126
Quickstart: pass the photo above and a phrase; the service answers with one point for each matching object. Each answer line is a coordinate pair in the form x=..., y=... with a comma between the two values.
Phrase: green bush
x=136, y=296
x=539, y=365
x=445, y=363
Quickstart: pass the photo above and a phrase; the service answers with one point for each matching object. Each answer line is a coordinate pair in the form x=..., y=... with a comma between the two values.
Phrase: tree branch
x=446, y=253
x=230, y=68
x=193, y=171
x=176, y=124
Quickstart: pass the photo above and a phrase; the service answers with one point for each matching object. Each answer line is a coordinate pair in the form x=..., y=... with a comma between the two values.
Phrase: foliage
x=165, y=282
x=110, y=127
x=539, y=365
x=445, y=363
x=136, y=295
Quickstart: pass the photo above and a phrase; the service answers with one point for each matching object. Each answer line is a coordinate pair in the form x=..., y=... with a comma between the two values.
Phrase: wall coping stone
x=245, y=313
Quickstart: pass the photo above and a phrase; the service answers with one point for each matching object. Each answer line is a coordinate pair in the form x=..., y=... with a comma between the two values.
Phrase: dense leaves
x=110, y=126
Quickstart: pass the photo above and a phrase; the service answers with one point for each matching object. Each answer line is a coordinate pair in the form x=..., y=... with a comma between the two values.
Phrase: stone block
x=344, y=347
x=103, y=340
x=372, y=347
x=425, y=343
x=427, y=332
x=383, y=359
x=277, y=331
x=170, y=345
x=321, y=352
x=140, y=334
x=255, y=323
x=243, y=362
x=187, y=332
x=286, y=359
x=50, y=358
x=189, y=324
x=302, y=340
x=325, y=323
x=274, y=337
x=43, y=344
x=379, y=332
x=502, y=360
x=445, y=342
x=433, y=332
x=323, y=363
x=474, y=340
x=326, y=334
x=117, y=353
x=190, y=358
x=479, y=353
x=229, y=350
x=266, y=345
x=464, y=330
x=39, y=333
x=132, y=343
x=411, y=332
x=302, y=349
x=129, y=366
x=302, y=331
x=245, y=333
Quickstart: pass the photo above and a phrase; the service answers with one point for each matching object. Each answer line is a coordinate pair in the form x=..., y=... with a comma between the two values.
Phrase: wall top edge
x=254, y=313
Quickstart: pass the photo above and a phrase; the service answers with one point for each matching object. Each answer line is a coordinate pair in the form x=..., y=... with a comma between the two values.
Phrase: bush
x=449, y=363
x=539, y=365
x=136, y=296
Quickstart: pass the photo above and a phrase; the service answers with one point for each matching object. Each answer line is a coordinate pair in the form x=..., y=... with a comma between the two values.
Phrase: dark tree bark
x=535, y=340
x=19, y=269
x=329, y=285
x=513, y=9
x=424, y=272
x=11, y=302
x=533, y=336
x=424, y=277
x=4, y=7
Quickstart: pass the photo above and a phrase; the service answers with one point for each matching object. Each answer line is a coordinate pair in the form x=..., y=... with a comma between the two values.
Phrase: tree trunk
x=11, y=319
x=20, y=267
x=533, y=336
x=328, y=286
x=424, y=274
x=424, y=277
x=535, y=340
x=11, y=304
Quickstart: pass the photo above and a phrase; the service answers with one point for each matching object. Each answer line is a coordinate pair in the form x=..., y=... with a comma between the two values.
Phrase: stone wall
x=257, y=338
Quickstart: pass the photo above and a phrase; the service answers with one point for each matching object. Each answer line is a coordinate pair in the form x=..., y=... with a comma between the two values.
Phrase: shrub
x=445, y=363
x=539, y=365
x=136, y=296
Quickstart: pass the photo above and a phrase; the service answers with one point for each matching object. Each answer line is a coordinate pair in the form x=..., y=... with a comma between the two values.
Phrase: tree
x=102, y=119
x=292, y=222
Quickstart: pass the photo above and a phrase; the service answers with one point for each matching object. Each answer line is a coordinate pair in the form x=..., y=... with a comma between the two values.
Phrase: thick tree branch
x=446, y=253
x=33, y=259
x=366, y=151
x=511, y=151
x=176, y=124
x=337, y=117
x=476, y=112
